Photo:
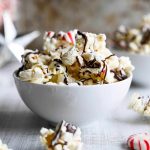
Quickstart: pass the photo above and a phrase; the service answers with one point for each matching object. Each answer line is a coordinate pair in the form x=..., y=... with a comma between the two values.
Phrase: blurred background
x=87, y=15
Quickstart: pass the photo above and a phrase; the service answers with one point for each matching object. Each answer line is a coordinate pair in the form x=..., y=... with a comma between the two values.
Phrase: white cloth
x=19, y=127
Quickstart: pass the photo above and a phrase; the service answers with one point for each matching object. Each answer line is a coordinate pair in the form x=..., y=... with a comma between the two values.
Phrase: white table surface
x=19, y=127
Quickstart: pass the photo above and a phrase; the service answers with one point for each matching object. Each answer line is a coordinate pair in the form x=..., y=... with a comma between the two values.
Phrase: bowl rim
x=72, y=86
x=117, y=50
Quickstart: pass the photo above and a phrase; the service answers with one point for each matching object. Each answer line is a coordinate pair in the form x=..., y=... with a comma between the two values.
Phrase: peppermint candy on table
x=139, y=141
x=70, y=37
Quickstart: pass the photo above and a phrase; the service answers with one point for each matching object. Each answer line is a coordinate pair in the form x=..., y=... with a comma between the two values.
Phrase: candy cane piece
x=50, y=34
x=70, y=37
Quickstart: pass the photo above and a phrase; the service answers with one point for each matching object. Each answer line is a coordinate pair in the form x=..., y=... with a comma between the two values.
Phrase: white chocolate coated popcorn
x=140, y=104
x=3, y=146
x=134, y=40
x=65, y=137
x=74, y=58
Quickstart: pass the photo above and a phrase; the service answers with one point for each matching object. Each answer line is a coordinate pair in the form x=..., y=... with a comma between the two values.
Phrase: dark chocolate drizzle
x=57, y=68
x=78, y=60
x=70, y=128
x=24, y=59
x=87, y=71
x=105, y=74
x=104, y=69
x=92, y=64
x=24, y=56
x=34, y=52
x=83, y=79
x=57, y=134
x=85, y=38
x=20, y=69
x=109, y=56
x=96, y=64
x=65, y=80
x=78, y=83
x=147, y=105
x=146, y=37
x=123, y=75
x=55, y=35
x=119, y=75
x=58, y=60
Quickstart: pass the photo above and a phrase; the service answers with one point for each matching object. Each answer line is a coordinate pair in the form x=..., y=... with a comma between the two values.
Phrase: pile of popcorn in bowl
x=74, y=58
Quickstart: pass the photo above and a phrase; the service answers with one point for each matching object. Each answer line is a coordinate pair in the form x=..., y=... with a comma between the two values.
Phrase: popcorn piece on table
x=65, y=137
x=139, y=141
x=140, y=104
x=3, y=146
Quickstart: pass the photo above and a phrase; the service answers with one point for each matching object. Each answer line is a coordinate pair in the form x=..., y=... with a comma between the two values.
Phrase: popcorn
x=35, y=75
x=74, y=58
x=125, y=64
x=3, y=146
x=145, y=22
x=69, y=57
x=135, y=40
x=139, y=141
x=65, y=137
x=140, y=104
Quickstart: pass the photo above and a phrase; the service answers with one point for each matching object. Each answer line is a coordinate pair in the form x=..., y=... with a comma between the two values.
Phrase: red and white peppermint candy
x=139, y=141
x=50, y=34
x=70, y=37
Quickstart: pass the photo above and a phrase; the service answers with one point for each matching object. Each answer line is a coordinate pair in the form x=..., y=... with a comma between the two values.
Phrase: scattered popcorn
x=135, y=40
x=3, y=146
x=139, y=141
x=140, y=104
x=65, y=137
x=74, y=58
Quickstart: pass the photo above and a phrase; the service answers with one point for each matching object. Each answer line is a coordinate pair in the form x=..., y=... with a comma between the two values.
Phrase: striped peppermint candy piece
x=50, y=34
x=139, y=141
x=70, y=37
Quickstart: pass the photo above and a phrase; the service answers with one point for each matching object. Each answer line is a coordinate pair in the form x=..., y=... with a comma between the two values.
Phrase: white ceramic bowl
x=76, y=104
x=141, y=74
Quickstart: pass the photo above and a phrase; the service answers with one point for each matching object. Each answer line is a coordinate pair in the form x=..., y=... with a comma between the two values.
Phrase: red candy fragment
x=70, y=37
x=50, y=34
x=139, y=141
